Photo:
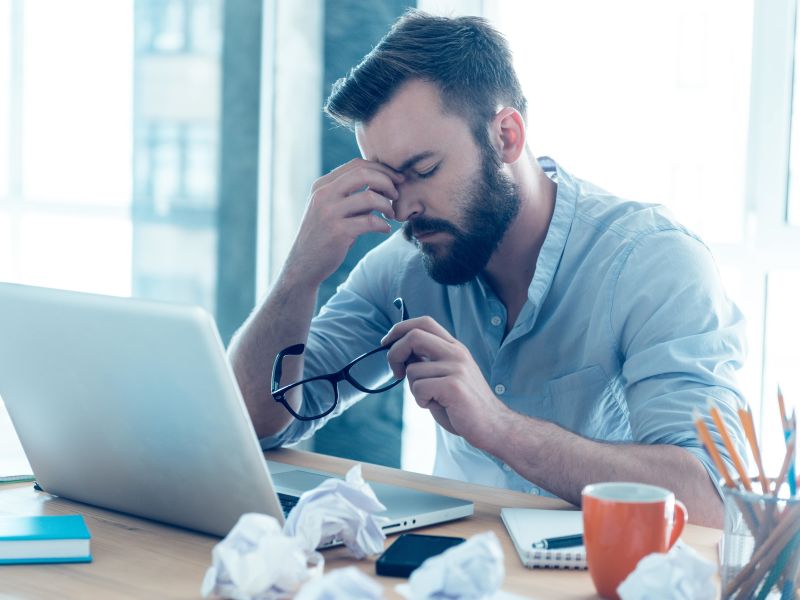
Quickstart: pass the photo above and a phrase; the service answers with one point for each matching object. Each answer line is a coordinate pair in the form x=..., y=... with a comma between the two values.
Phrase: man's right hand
x=338, y=211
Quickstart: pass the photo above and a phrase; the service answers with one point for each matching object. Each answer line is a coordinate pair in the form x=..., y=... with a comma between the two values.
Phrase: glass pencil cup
x=760, y=551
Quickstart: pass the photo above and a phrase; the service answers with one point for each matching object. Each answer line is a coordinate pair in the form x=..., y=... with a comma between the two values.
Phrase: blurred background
x=165, y=148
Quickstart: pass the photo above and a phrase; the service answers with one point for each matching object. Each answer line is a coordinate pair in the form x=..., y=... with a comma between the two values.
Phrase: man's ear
x=508, y=134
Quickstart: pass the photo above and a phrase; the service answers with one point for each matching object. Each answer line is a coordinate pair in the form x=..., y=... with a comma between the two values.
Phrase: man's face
x=455, y=201
x=487, y=205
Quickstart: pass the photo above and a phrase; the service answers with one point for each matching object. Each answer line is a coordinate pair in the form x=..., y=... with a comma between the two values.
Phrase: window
x=5, y=99
x=109, y=117
x=773, y=233
x=636, y=98
x=66, y=156
x=793, y=197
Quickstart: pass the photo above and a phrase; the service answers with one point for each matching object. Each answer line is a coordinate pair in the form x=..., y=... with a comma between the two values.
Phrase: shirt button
x=534, y=491
x=499, y=389
x=496, y=320
x=506, y=468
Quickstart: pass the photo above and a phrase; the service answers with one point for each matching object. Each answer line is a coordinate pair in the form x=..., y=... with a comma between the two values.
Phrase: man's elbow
x=707, y=509
x=703, y=501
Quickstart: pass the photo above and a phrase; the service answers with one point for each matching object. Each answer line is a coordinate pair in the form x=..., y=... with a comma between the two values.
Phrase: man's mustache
x=421, y=226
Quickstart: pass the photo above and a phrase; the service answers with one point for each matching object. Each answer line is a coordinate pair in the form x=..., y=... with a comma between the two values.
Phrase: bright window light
x=782, y=359
x=76, y=252
x=78, y=94
x=5, y=84
x=648, y=100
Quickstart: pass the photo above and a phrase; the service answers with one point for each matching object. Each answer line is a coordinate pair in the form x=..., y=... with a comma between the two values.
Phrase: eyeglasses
x=366, y=373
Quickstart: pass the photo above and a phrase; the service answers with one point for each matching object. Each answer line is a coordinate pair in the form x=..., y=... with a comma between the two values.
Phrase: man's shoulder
x=629, y=221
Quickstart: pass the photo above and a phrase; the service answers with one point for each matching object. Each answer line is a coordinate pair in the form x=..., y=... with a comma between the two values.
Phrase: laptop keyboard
x=287, y=502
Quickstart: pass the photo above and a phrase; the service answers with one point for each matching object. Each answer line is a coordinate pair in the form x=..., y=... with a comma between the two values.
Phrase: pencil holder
x=760, y=550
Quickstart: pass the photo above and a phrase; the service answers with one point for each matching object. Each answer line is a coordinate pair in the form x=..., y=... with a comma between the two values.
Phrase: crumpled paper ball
x=468, y=571
x=343, y=510
x=343, y=584
x=257, y=561
x=680, y=574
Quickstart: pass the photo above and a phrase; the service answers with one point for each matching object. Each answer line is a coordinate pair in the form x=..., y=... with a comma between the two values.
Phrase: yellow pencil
x=787, y=461
x=726, y=440
x=711, y=447
x=782, y=408
x=746, y=417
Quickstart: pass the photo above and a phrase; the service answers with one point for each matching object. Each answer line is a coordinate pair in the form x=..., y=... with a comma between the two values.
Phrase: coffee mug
x=623, y=523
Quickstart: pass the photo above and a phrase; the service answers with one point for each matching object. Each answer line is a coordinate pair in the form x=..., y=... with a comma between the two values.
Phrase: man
x=558, y=335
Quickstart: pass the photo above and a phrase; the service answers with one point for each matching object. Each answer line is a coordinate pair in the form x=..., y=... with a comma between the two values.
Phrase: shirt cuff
x=295, y=432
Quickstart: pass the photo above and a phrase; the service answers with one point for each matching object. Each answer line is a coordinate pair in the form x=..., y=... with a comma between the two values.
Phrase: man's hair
x=466, y=58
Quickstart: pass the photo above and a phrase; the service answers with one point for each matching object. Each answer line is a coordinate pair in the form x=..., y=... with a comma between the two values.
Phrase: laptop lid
x=132, y=405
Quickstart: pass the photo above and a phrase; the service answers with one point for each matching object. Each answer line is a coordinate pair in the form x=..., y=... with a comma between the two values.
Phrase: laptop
x=132, y=405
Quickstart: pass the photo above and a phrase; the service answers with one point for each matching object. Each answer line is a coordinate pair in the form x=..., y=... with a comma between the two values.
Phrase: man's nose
x=408, y=204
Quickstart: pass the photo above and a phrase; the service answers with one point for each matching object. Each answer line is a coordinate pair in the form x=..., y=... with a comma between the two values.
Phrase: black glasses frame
x=343, y=374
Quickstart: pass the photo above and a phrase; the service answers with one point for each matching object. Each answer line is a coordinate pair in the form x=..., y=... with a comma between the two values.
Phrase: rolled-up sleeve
x=682, y=341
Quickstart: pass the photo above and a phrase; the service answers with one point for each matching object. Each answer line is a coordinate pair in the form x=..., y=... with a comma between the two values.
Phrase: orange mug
x=623, y=523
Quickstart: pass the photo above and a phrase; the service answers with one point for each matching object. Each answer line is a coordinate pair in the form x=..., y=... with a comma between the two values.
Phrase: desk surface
x=136, y=558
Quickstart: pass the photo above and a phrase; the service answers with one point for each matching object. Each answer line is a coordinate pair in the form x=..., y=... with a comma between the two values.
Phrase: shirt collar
x=557, y=233
x=555, y=241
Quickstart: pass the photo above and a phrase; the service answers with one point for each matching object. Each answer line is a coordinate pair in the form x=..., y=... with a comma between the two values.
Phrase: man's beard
x=491, y=204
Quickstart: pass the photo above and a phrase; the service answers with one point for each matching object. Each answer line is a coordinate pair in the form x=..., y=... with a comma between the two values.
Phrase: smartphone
x=410, y=550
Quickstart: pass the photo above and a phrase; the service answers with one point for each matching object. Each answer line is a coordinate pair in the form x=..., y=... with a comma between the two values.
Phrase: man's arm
x=680, y=339
x=543, y=452
x=338, y=212
x=281, y=321
x=444, y=378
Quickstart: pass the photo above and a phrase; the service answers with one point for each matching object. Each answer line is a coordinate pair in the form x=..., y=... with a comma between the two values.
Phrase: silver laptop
x=132, y=405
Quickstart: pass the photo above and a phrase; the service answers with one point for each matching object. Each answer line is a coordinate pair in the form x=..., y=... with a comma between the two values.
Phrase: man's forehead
x=412, y=122
x=398, y=155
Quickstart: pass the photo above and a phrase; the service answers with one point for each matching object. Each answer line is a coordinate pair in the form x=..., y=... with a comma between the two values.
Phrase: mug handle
x=680, y=518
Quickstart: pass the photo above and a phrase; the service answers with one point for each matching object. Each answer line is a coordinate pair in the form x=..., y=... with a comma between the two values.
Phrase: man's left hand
x=444, y=378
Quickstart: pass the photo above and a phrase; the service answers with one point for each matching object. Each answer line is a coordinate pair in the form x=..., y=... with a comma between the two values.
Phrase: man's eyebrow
x=411, y=161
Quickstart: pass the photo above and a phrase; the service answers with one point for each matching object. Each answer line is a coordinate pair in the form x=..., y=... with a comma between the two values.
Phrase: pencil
x=753, y=520
x=792, y=478
x=726, y=440
x=764, y=555
x=746, y=417
x=787, y=460
x=711, y=448
x=782, y=408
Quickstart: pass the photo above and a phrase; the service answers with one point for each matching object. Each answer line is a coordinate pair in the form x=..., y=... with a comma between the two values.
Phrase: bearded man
x=557, y=334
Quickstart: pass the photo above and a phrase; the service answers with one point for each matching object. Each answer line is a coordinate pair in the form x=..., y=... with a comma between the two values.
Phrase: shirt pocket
x=582, y=403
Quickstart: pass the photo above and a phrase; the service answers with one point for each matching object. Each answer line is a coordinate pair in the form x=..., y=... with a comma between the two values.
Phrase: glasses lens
x=373, y=373
x=319, y=397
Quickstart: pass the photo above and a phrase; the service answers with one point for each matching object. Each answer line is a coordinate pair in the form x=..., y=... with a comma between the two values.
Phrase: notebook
x=529, y=525
x=44, y=539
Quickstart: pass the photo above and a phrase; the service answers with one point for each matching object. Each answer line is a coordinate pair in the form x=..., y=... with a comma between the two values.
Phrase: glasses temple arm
x=401, y=306
x=277, y=369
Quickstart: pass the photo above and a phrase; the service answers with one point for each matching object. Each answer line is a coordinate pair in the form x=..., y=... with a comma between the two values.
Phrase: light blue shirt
x=626, y=328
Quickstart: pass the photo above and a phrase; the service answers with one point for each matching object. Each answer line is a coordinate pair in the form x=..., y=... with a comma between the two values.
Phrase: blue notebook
x=44, y=539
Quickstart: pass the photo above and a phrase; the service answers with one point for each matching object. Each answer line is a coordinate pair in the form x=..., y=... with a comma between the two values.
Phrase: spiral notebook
x=529, y=525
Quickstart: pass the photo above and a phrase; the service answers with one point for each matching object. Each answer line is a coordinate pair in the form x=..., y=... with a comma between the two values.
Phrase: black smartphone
x=410, y=550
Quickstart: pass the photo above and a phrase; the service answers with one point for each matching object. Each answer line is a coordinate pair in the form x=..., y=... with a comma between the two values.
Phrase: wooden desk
x=136, y=558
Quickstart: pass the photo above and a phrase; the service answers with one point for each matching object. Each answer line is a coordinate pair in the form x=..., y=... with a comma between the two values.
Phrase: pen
x=564, y=541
